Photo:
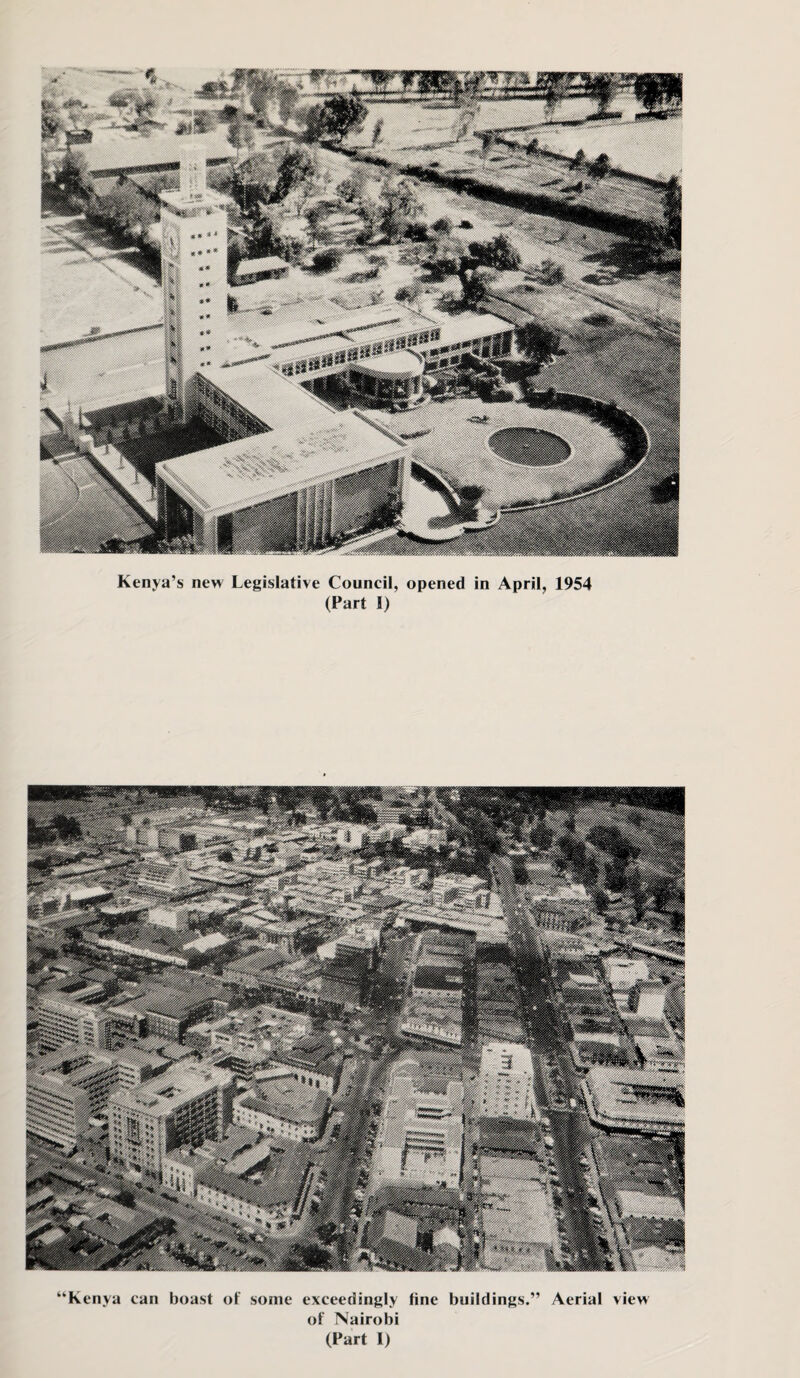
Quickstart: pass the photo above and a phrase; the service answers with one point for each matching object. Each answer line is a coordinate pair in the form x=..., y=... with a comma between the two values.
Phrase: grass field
x=90, y=282
x=457, y=448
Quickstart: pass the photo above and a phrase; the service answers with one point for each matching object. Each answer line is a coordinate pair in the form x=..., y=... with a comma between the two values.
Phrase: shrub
x=328, y=258
x=501, y=395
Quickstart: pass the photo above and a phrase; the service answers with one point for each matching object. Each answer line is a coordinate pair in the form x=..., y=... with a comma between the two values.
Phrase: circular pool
x=528, y=445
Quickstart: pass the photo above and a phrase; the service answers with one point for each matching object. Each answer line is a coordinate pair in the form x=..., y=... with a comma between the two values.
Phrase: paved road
x=570, y=1129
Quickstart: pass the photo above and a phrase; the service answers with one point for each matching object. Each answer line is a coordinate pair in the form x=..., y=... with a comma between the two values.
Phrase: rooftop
x=267, y=395
x=174, y=1087
x=269, y=264
x=115, y=155
x=287, y=1098
x=262, y=467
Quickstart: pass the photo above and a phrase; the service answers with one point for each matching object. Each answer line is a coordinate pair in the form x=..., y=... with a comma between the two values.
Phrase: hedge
x=537, y=202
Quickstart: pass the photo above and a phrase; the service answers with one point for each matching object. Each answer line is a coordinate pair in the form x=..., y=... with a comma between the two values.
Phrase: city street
x=570, y=1129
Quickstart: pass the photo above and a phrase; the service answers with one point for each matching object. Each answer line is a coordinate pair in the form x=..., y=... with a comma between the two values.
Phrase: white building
x=194, y=262
x=506, y=1082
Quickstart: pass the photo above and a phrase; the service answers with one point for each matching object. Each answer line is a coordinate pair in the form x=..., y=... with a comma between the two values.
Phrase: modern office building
x=647, y=999
x=64, y=1089
x=421, y=1132
x=186, y=1104
x=506, y=1082
x=299, y=488
x=623, y=1098
x=68, y=1021
x=283, y=1107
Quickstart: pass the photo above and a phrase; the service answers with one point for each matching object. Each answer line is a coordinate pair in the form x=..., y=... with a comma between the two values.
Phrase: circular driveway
x=457, y=448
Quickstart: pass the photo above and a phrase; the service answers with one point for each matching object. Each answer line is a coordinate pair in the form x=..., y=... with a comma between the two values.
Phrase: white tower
x=194, y=272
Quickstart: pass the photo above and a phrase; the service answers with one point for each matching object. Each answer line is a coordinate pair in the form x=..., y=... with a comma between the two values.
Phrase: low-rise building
x=283, y=1107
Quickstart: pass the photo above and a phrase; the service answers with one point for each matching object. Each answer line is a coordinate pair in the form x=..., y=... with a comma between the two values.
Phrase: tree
x=53, y=121
x=556, y=85
x=288, y=98
x=488, y=140
x=307, y=1257
x=253, y=181
x=380, y=79
x=298, y=172
x=264, y=89
x=326, y=259
x=241, y=131
x=352, y=187
x=538, y=344
x=400, y=208
x=654, y=90
x=407, y=80
x=336, y=117
x=75, y=176
x=672, y=204
x=205, y=121
x=67, y=827
x=498, y=253
x=123, y=98
x=600, y=167
x=377, y=132
x=662, y=890
x=475, y=283
x=601, y=901
x=579, y=161
x=602, y=87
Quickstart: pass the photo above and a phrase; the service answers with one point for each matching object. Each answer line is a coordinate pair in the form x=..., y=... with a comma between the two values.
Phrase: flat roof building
x=186, y=1104
x=287, y=477
x=421, y=1132
x=623, y=1098
x=65, y=1089
x=284, y=1107
x=506, y=1082
x=298, y=488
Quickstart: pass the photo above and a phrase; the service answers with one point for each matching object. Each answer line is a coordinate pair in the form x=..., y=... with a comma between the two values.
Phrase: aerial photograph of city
x=423, y=1029
x=383, y=312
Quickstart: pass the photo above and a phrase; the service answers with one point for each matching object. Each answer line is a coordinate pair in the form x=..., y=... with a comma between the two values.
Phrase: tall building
x=194, y=252
x=64, y=1089
x=185, y=1105
x=69, y=1021
x=647, y=999
x=506, y=1085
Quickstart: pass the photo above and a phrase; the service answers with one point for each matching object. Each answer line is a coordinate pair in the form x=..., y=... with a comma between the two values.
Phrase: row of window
x=342, y=356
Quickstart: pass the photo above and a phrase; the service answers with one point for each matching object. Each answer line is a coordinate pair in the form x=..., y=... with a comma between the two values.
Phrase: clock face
x=171, y=241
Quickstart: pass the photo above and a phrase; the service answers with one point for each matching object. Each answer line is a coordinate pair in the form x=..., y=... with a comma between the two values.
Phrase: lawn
x=457, y=448
x=640, y=371
x=91, y=282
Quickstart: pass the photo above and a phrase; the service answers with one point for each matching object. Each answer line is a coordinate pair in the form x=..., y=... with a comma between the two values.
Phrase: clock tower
x=194, y=274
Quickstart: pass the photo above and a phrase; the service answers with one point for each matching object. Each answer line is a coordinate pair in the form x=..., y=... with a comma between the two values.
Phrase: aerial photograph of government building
x=398, y=313
x=308, y=1028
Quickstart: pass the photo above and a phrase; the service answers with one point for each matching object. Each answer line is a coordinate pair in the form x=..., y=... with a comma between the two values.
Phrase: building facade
x=194, y=239
x=187, y=1104
x=506, y=1081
